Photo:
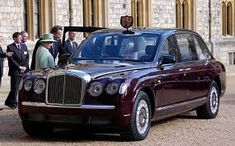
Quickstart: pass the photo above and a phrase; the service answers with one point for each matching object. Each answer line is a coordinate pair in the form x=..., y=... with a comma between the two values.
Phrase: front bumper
x=81, y=115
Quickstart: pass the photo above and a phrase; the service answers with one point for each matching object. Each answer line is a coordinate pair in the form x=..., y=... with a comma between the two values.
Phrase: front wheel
x=140, y=119
x=211, y=108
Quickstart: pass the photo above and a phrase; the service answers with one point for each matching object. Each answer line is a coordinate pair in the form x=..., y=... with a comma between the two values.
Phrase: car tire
x=35, y=129
x=211, y=108
x=140, y=119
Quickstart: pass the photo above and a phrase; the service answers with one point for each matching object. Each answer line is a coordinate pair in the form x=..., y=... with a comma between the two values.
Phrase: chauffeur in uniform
x=18, y=65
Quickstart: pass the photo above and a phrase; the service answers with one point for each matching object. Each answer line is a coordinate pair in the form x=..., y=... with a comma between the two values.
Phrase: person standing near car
x=25, y=36
x=2, y=56
x=70, y=45
x=18, y=65
x=55, y=49
x=57, y=45
x=43, y=57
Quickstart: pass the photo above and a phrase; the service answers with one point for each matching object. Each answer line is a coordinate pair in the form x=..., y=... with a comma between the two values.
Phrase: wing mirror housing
x=167, y=59
x=63, y=59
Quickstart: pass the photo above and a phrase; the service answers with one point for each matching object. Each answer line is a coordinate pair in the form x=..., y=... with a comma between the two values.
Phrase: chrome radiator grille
x=64, y=90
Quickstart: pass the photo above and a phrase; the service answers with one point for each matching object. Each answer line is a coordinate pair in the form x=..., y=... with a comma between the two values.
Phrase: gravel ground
x=185, y=129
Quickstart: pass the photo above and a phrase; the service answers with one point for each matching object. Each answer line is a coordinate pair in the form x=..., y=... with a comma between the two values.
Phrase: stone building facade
x=207, y=17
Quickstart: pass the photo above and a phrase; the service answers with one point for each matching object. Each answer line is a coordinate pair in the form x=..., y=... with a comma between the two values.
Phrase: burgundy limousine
x=124, y=79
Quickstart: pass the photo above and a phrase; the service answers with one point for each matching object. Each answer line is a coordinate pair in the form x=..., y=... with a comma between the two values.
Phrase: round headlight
x=112, y=88
x=39, y=86
x=96, y=89
x=28, y=85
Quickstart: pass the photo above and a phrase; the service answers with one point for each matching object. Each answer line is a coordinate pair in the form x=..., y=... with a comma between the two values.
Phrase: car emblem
x=126, y=21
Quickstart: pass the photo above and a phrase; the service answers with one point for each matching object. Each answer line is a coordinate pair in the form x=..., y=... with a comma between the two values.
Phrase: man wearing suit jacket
x=70, y=45
x=18, y=65
x=57, y=46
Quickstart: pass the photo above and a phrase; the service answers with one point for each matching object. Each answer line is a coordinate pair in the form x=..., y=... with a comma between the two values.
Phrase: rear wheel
x=140, y=119
x=211, y=108
x=37, y=129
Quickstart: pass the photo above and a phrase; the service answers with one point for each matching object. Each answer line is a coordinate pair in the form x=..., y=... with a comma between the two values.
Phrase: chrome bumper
x=40, y=104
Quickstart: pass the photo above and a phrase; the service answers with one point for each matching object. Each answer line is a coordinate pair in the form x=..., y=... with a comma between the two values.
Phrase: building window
x=35, y=22
x=25, y=15
x=94, y=13
x=185, y=14
x=224, y=13
x=231, y=56
x=227, y=17
x=140, y=12
x=36, y=19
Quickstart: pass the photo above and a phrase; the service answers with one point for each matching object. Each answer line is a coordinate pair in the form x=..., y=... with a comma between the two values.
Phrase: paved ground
x=182, y=130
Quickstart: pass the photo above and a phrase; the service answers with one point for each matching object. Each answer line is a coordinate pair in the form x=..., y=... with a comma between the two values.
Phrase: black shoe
x=7, y=104
x=13, y=106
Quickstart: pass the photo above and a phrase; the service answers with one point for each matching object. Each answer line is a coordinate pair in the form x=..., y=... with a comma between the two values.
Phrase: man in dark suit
x=70, y=45
x=18, y=65
x=56, y=47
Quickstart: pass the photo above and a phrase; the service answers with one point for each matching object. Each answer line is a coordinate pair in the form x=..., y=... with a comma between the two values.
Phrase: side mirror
x=167, y=59
x=63, y=59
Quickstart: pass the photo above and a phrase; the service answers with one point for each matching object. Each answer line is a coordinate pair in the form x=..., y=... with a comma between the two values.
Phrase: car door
x=200, y=68
x=195, y=70
x=172, y=76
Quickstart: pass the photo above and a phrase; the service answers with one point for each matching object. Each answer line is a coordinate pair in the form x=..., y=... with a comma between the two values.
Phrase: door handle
x=187, y=69
x=180, y=70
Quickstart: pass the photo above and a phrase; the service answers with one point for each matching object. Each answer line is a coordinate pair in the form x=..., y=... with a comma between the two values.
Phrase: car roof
x=95, y=30
x=131, y=31
x=159, y=31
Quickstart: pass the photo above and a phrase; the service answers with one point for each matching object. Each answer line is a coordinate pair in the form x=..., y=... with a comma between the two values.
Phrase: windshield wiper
x=109, y=58
x=83, y=59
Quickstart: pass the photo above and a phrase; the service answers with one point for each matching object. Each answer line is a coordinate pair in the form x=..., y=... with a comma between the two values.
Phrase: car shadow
x=68, y=135
x=75, y=136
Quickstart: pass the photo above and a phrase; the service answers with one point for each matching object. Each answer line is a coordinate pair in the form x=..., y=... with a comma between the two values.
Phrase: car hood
x=104, y=67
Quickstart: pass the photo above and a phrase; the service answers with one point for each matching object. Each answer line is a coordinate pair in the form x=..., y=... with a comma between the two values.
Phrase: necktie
x=18, y=46
x=21, y=53
x=73, y=45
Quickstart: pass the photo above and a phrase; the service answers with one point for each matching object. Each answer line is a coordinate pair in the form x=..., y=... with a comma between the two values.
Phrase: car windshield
x=118, y=46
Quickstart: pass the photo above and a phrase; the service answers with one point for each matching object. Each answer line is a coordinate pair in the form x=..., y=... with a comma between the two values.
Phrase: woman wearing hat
x=44, y=59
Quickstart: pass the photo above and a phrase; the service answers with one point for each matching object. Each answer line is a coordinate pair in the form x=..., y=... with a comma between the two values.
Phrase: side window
x=201, y=56
x=202, y=50
x=169, y=47
x=186, y=47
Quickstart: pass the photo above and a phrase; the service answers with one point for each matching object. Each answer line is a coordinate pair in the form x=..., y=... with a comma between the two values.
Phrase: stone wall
x=62, y=12
x=11, y=19
x=163, y=13
x=116, y=9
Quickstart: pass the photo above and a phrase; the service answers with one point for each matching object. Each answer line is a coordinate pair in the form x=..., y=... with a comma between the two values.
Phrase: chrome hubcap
x=214, y=100
x=142, y=117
